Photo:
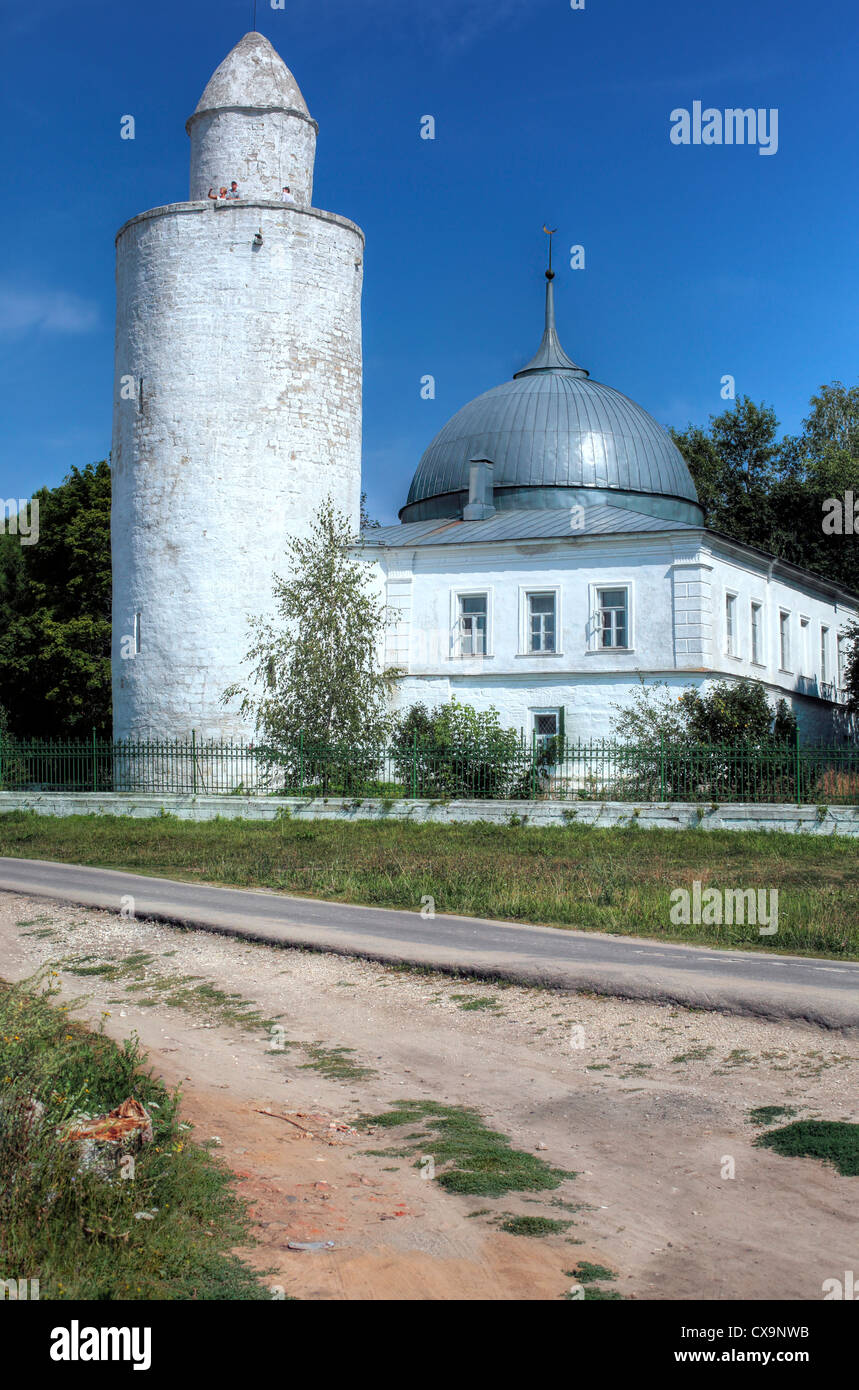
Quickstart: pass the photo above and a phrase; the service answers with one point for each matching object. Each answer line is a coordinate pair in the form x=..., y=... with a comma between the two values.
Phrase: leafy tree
x=769, y=492
x=55, y=612
x=826, y=465
x=652, y=716
x=736, y=712
x=315, y=667
x=367, y=522
x=680, y=752
x=734, y=466
x=833, y=421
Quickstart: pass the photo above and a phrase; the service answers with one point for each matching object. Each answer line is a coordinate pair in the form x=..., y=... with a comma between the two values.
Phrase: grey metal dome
x=553, y=433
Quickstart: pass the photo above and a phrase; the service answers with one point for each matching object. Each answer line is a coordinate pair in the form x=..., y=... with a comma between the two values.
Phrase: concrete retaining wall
x=806, y=820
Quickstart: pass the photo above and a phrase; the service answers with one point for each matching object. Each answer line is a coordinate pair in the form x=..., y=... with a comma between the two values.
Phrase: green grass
x=335, y=1063
x=768, y=1114
x=590, y=1277
x=473, y=1159
x=76, y=1231
x=566, y=876
x=534, y=1226
x=587, y=1273
x=476, y=1001
x=833, y=1141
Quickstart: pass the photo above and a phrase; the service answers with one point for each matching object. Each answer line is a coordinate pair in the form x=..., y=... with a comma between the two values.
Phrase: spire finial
x=550, y=232
x=550, y=355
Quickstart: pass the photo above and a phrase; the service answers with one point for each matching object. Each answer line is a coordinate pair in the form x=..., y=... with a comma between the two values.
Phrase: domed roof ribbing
x=550, y=428
x=252, y=75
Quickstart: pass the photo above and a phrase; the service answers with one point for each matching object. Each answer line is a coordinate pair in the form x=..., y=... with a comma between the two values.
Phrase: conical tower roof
x=252, y=76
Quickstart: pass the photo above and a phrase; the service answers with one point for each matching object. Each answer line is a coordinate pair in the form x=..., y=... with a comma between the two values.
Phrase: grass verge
x=165, y=1233
x=567, y=876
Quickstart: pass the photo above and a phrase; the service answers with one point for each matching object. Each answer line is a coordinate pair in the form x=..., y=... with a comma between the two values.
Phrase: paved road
x=818, y=991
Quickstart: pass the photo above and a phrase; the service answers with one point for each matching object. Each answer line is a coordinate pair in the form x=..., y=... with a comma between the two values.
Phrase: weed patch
x=768, y=1114
x=335, y=1063
x=587, y=1273
x=534, y=1226
x=832, y=1141
x=473, y=1159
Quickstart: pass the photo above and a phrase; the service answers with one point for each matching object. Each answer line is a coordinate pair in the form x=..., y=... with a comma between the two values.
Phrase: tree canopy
x=315, y=668
x=55, y=612
x=726, y=712
x=769, y=491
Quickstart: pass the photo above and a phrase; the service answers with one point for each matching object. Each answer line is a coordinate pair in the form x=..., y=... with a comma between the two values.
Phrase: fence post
x=533, y=764
x=798, y=771
x=661, y=767
x=94, y=764
x=301, y=762
x=194, y=759
x=1, y=760
x=414, y=765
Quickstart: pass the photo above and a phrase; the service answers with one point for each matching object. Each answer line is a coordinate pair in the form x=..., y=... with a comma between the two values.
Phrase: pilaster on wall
x=692, y=598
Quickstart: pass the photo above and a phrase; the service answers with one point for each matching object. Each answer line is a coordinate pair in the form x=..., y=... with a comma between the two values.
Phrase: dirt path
x=647, y=1104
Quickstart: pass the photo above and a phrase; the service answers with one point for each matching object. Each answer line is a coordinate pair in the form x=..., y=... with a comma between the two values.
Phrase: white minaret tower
x=237, y=398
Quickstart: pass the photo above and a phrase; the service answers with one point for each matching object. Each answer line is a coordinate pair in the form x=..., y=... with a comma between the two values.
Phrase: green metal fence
x=509, y=766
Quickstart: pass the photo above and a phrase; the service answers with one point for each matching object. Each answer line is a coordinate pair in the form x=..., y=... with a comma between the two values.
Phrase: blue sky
x=700, y=260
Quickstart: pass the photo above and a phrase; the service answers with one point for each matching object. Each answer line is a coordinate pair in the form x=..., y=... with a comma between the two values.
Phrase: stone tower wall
x=245, y=413
x=261, y=150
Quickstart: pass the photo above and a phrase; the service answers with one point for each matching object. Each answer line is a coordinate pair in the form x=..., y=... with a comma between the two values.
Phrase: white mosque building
x=551, y=552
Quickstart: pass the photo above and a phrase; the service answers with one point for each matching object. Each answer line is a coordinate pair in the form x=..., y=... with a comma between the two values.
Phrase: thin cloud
x=460, y=23
x=449, y=26
x=46, y=311
x=28, y=19
x=743, y=71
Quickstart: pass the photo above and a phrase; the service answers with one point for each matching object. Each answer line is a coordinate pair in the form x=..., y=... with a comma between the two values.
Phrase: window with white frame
x=613, y=614
x=842, y=660
x=757, y=633
x=542, y=622
x=731, y=625
x=824, y=656
x=784, y=640
x=473, y=614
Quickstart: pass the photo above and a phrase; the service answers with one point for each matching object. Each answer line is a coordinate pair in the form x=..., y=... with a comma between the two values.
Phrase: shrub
x=455, y=750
